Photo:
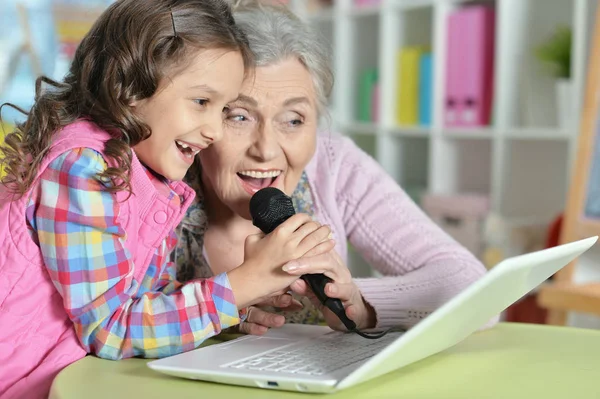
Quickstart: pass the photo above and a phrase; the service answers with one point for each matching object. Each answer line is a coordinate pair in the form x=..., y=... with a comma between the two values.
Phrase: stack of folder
x=368, y=96
x=469, y=67
x=414, y=86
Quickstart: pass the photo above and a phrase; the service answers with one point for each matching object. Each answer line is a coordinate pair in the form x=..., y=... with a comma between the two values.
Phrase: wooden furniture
x=582, y=217
x=510, y=360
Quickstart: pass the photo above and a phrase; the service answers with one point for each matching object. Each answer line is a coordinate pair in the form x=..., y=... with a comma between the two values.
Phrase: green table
x=509, y=361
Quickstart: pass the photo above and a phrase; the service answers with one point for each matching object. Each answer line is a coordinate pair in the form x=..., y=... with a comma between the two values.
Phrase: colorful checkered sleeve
x=76, y=223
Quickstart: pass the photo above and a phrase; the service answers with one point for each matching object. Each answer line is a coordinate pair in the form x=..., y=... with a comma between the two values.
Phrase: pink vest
x=37, y=339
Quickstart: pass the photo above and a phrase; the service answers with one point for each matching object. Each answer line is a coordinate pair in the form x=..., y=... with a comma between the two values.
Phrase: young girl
x=93, y=192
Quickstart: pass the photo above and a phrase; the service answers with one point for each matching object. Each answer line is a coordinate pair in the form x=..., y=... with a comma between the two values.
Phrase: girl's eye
x=201, y=101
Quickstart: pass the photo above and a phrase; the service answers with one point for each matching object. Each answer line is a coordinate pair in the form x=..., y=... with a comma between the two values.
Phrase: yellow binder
x=407, y=105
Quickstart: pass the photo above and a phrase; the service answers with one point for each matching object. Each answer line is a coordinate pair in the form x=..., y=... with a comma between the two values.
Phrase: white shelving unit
x=522, y=161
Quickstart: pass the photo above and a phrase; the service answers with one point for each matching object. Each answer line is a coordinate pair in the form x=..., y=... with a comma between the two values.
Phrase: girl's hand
x=342, y=287
x=261, y=276
x=258, y=321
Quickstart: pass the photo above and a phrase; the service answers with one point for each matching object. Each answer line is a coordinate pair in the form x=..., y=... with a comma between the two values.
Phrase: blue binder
x=425, y=89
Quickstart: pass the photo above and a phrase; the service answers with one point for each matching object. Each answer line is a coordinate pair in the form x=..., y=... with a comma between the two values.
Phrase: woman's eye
x=292, y=120
x=238, y=118
x=201, y=101
x=237, y=115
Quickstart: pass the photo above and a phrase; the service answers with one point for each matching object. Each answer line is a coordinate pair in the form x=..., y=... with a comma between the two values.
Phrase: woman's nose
x=266, y=145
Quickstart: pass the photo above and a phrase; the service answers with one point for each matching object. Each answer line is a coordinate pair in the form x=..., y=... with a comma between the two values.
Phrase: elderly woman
x=271, y=139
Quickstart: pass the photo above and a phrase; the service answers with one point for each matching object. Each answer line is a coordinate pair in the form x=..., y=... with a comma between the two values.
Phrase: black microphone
x=269, y=208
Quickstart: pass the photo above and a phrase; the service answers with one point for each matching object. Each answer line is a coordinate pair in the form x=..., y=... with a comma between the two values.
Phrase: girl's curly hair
x=128, y=51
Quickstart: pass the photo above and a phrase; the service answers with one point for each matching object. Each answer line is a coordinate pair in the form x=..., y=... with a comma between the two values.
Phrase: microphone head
x=269, y=207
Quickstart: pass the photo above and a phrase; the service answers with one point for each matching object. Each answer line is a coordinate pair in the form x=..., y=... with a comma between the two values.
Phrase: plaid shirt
x=75, y=222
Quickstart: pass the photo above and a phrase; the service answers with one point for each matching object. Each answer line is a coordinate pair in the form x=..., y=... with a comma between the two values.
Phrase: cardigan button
x=160, y=217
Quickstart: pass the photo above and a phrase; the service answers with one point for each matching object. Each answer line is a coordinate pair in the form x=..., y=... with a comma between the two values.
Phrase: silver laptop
x=316, y=359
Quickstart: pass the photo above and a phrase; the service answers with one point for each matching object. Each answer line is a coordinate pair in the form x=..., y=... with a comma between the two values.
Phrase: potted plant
x=556, y=52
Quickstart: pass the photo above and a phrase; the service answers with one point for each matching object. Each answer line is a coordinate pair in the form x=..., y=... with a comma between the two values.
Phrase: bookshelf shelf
x=482, y=133
x=535, y=170
x=410, y=131
x=552, y=134
x=365, y=11
x=411, y=4
x=523, y=158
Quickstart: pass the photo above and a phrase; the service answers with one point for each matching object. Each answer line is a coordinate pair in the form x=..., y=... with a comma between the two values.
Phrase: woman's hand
x=258, y=321
x=261, y=276
x=342, y=287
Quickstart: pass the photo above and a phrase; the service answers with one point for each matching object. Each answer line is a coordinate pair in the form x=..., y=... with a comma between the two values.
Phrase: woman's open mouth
x=254, y=180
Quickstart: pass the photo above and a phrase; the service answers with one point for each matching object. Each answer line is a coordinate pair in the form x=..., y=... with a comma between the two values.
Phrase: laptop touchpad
x=259, y=344
x=250, y=346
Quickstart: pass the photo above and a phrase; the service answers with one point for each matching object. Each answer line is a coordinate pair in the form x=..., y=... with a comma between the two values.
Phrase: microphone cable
x=371, y=335
x=338, y=309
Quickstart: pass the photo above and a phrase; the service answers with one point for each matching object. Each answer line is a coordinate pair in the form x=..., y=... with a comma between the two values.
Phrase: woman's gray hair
x=276, y=34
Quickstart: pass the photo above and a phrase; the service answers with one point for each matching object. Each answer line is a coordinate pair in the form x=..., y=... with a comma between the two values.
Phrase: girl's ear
x=135, y=102
x=138, y=103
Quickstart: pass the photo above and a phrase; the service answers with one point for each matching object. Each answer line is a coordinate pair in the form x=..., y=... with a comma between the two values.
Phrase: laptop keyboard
x=322, y=355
